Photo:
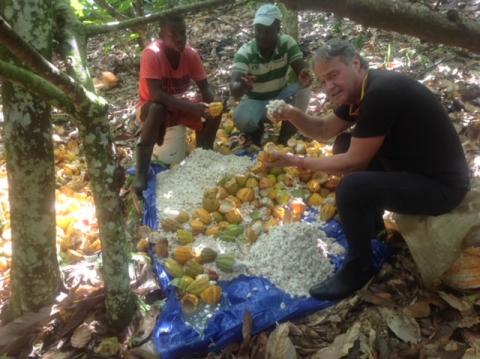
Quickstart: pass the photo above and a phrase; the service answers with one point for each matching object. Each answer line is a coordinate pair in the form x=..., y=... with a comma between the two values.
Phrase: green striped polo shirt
x=271, y=74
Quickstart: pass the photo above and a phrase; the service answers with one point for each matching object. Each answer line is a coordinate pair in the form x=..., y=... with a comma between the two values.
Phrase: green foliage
x=337, y=25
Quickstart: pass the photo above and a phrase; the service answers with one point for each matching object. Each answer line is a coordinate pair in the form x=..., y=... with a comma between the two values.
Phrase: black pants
x=363, y=196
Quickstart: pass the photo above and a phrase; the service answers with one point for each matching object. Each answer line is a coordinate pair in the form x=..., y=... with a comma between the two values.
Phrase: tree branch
x=403, y=18
x=111, y=10
x=91, y=30
x=36, y=85
x=83, y=99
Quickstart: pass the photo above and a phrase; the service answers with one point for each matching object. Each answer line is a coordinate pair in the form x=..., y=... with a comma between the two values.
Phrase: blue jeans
x=250, y=113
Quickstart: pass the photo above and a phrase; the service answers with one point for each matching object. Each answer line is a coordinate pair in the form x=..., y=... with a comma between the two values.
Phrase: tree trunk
x=104, y=176
x=31, y=174
x=403, y=17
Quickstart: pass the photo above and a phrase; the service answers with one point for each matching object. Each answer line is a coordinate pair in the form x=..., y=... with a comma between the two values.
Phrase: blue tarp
x=174, y=338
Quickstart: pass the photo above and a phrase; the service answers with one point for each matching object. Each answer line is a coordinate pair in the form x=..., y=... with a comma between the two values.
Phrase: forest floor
x=395, y=316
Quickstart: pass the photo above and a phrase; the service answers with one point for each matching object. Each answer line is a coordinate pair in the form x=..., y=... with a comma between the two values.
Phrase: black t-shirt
x=419, y=135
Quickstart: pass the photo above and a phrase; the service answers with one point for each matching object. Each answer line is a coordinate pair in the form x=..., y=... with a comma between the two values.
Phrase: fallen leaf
x=341, y=345
x=403, y=326
x=471, y=353
x=472, y=338
x=455, y=302
x=420, y=309
x=81, y=336
x=279, y=345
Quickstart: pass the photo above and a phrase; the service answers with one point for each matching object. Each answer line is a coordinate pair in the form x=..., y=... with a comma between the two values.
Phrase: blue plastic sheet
x=174, y=338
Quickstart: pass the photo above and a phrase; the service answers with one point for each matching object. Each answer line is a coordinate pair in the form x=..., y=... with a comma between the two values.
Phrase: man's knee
x=153, y=110
x=245, y=120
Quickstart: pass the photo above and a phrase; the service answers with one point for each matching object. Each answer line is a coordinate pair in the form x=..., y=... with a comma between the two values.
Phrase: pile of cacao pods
x=240, y=208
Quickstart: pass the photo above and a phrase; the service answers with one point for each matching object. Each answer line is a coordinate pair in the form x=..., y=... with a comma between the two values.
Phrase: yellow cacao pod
x=313, y=185
x=182, y=217
x=234, y=216
x=222, y=193
x=173, y=267
x=315, y=200
x=184, y=236
x=203, y=215
x=231, y=186
x=251, y=183
x=217, y=216
x=213, y=230
x=212, y=295
x=241, y=180
x=192, y=268
x=169, y=224
x=245, y=194
x=183, y=254
x=197, y=226
x=210, y=204
x=189, y=303
x=215, y=109
x=328, y=212
x=142, y=245
x=265, y=182
x=200, y=283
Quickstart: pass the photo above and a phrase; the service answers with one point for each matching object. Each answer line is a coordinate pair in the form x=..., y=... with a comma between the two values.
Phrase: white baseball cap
x=267, y=14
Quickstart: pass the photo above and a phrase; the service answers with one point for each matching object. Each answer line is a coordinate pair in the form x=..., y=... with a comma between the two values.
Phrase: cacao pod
x=245, y=194
x=173, y=267
x=215, y=109
x=189, y=303
x=207, y=255
x=184, y=236
x=192, y=268
x=169, y=224
x=212, y=295
x=183, y=254
x=328, y=212
x=203, y=215
x=161, y=248
x=197, y=226
x=200, y=283
x=225, y=262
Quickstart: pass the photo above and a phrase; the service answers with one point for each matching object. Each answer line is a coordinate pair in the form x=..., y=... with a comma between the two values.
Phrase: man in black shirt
x=403, y=154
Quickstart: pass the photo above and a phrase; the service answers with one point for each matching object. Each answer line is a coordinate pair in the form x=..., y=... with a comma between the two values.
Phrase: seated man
x=166, y=69
x=260, y=72
x=403, y=155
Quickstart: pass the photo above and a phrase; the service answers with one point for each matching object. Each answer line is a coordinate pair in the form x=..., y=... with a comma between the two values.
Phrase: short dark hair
x=172, y=20
x=339, y=48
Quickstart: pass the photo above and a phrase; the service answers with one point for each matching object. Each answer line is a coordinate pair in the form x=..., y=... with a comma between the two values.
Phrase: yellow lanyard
x=351, y=111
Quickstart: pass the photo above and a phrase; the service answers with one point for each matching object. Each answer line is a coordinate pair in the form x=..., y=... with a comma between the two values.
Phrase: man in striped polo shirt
x=259, y=75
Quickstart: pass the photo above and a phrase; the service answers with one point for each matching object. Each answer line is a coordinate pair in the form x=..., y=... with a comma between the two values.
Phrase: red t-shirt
x=155, y=65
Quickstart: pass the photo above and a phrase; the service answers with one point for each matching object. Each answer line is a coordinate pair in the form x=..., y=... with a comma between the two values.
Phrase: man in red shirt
x=167, y=67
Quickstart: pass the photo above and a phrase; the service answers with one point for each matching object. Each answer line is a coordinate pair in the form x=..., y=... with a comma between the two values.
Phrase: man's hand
x=305, y=77
x=278, y=159
x=248, y=81
x=198, y=109
x=287, y=112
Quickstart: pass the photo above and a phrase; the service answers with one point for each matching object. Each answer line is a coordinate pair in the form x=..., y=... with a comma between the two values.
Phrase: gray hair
x=339, y=48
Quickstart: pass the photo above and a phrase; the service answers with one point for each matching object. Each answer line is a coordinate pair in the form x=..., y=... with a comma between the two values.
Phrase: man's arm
x=358, y=157
x=302, y=70
x=240, y=84
x=206, y=91
x=157, y=95
x=318, y=128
